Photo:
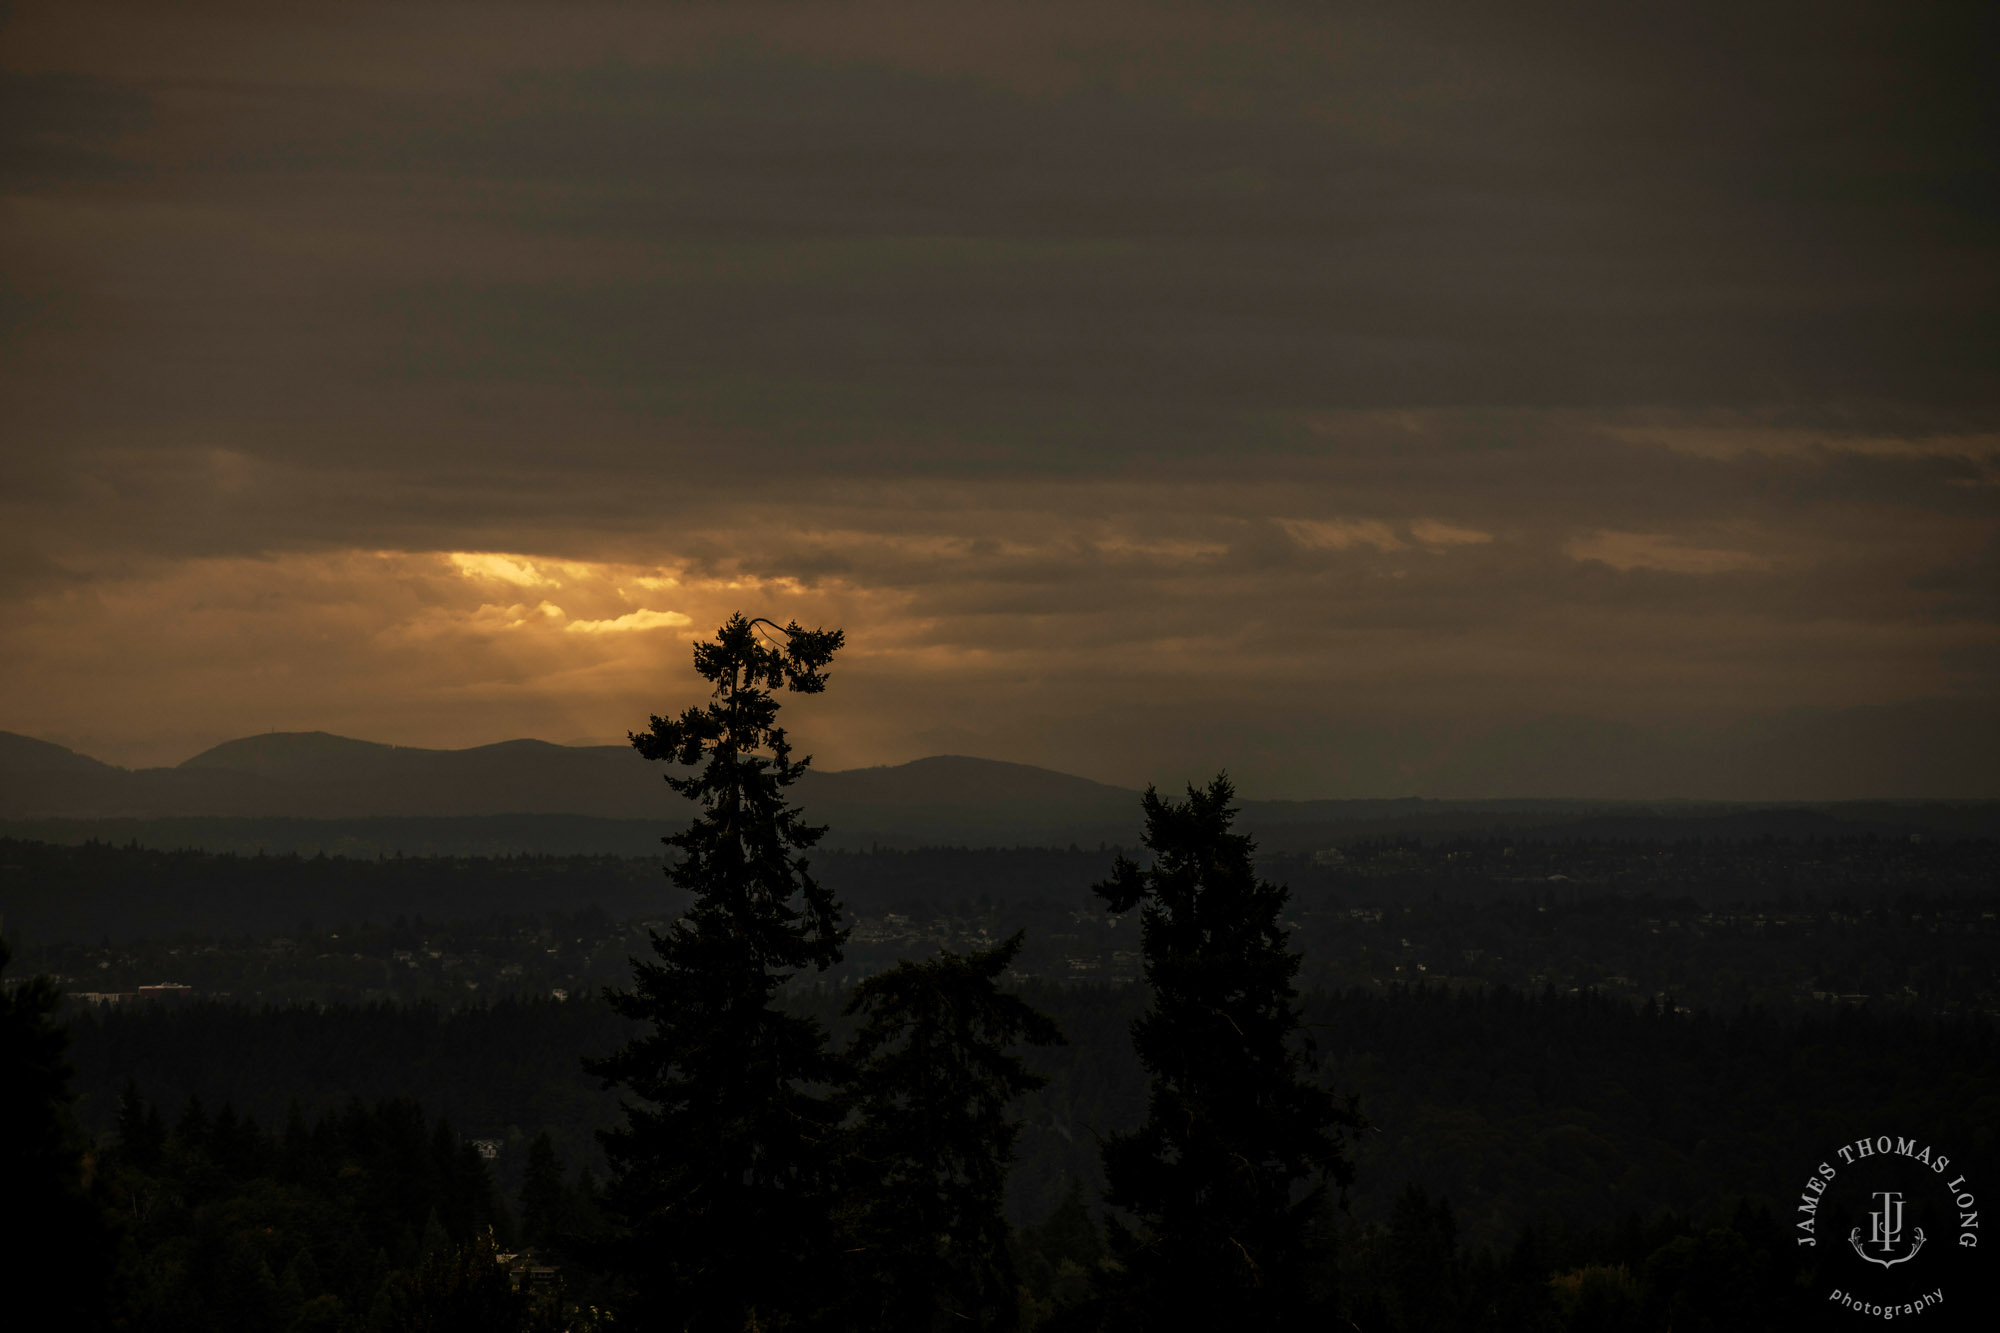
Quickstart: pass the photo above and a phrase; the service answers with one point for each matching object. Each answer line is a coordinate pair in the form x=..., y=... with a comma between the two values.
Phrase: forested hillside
x=1592, y=1071
x=55, y=892
x=1514, y=1105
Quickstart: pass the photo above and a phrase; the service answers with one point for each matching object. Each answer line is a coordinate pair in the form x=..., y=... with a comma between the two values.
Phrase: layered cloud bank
x=1367, y=402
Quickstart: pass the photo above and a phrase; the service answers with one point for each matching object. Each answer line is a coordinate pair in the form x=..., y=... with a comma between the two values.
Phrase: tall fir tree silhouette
x=931, y=1076
x=721, y=1171
x=1239, y=1144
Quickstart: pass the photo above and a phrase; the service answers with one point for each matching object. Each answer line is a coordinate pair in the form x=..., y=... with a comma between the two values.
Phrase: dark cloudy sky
x=1450, y=399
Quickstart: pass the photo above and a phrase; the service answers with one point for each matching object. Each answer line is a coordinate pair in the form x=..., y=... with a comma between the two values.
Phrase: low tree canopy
x=1240, y=1143
x=932, y=1076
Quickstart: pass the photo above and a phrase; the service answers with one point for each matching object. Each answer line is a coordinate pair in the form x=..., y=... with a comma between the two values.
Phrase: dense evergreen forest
x=1554, y=1151
x=1533, y=1147
x=1512, y=1104
x=369, y=1211
x=54, y=893
x=1775, y=924
x=1394, y=1084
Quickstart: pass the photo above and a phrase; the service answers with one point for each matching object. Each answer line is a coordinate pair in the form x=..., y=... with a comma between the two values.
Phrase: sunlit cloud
x=501, y=569
x=516, y=617
x=1164, y=549
x=631, y=620
x=1341, y=534
x=1032, y=635
x=1433, y=533
x=1652, y=550
x=1734, y=440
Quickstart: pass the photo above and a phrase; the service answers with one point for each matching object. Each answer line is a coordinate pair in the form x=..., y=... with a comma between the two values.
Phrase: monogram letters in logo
x=1885, y=1233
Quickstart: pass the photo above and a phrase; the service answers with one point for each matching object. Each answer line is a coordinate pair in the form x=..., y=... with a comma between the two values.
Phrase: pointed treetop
x=746, y=653
x=745, y=661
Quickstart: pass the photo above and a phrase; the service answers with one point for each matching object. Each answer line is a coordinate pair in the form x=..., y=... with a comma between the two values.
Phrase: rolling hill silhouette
x=533, y=795
x=317, y=775
x=29, y=757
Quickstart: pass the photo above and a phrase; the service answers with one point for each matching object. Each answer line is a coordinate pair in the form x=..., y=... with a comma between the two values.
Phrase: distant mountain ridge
x=26, y=755
x=606, y=797
x=322, y=776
